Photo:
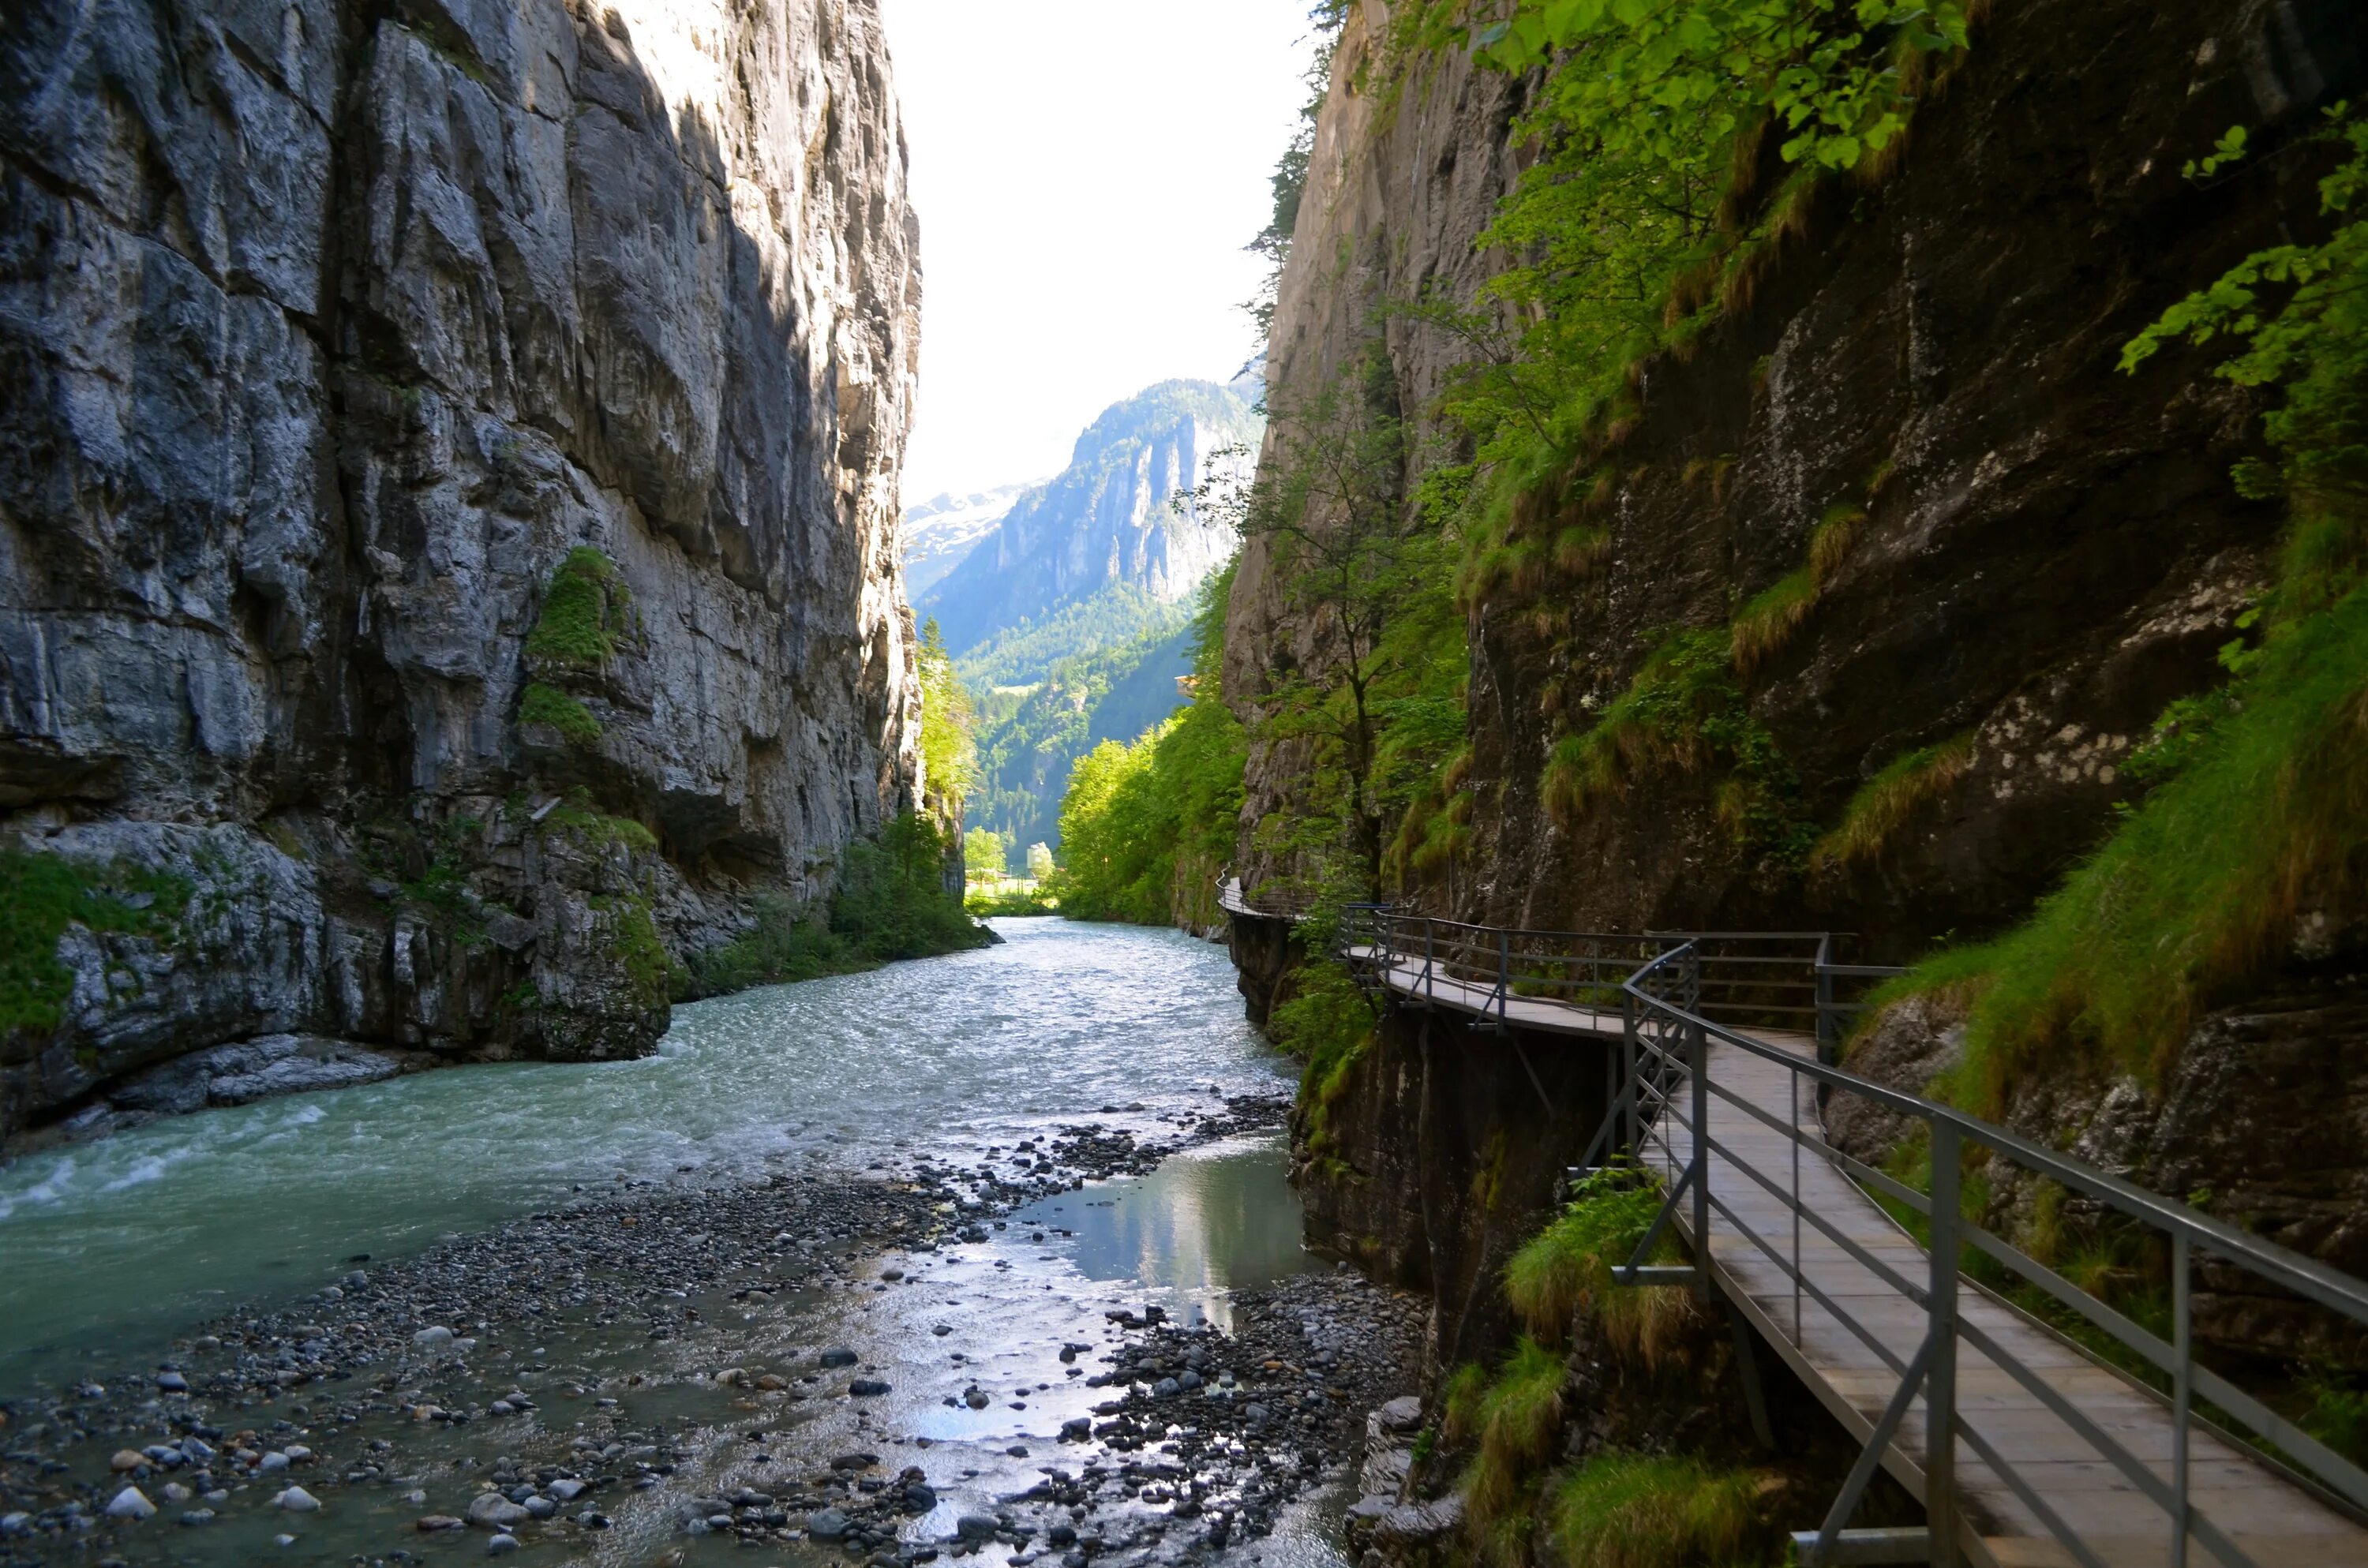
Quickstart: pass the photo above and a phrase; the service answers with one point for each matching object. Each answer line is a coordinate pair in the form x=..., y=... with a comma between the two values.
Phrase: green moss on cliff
x=634, y=946
x=541, y=704
x=584, y=610
x=41, y=896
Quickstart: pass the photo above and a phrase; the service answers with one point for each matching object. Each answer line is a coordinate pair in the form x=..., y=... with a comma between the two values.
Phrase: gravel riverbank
x=620, y=1378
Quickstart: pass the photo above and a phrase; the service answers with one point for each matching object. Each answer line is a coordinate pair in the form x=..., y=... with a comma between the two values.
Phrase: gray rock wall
x=327, y=331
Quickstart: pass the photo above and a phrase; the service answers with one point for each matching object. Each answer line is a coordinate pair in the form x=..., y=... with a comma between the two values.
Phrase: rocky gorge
x=450, y=459
x=1862, y=602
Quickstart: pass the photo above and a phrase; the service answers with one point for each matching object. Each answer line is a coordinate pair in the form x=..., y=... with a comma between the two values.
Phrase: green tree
x=985, y=853
x=949, y=755
x=1367, y=574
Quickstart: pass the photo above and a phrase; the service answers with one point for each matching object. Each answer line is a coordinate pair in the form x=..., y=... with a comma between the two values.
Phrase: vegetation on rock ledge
x=2259, y=805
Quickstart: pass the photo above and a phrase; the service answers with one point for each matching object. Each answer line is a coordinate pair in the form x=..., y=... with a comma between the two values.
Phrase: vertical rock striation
x=448, y=489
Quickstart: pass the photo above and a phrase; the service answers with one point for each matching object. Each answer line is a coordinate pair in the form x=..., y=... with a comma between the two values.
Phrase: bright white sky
x=1086, y=174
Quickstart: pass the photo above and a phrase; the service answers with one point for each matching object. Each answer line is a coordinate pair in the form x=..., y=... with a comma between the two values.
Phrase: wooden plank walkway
x=2270, y=1519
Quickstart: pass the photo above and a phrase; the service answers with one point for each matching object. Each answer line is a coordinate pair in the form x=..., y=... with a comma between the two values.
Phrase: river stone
x=197, y=1516
x=172, y=1382
x=492, y=1509
x=130, y=1503
x=296, y=1500
x=127, y=1459
x=976, y=1527
x=432, y=1524
x=433, y=1335
x=839, y=1355
x=501, y=1545
x=867, y=1388
x=828, y=1524
x=568, y=1489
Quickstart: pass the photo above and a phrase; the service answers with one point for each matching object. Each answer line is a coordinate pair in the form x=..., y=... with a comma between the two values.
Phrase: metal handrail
x=1662, y=1083
x=2190, y=1230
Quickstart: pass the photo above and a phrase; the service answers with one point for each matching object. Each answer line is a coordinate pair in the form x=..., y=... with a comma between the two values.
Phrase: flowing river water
x=112, y=1254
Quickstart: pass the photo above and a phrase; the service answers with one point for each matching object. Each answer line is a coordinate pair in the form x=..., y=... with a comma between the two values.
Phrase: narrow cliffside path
x=2060, y=1459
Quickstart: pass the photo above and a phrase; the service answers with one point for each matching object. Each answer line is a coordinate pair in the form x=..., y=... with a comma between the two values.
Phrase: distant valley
x=1067, y=604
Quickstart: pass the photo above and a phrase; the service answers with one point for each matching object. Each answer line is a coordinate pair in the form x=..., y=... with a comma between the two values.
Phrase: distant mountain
x=1104, y=522
x=939, y=532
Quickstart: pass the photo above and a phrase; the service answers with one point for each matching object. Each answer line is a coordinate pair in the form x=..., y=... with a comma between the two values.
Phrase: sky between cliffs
x=1087, y=172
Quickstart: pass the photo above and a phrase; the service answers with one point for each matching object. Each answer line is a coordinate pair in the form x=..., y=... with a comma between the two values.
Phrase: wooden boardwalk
x=2266, y=1517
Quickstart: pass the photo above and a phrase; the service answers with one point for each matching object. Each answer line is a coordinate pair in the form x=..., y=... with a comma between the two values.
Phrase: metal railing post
x=1701, y=1059
x=2183, y=1393
x=1940, y=1380
x=1504, y=971
x=1792, y=1083
x=1825, y=1030
x=1628, y=1087
x=1429, y=993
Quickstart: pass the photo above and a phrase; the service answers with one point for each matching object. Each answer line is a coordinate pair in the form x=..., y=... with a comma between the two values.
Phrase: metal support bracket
x=1746, y=1366
x=1634, y=1271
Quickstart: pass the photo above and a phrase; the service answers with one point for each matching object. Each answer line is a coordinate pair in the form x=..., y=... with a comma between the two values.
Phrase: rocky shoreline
x=557, y=1377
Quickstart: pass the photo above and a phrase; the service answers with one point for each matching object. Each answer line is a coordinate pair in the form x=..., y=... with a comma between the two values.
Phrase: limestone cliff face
x=2049, y=552
x=328, y=331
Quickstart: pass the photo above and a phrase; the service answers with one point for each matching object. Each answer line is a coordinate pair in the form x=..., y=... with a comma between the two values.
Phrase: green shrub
x=892, y=902
x=788, y=943
x=1631, y=1510
x=2337, y=1415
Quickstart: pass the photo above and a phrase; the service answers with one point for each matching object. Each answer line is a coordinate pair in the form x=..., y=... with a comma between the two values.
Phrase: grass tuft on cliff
x=41, y=896
x=1885, y=805
x=584, y=611
x=1632, y=1510
x=1567, y=1266
x=1518, y=1419
x=540, y=704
